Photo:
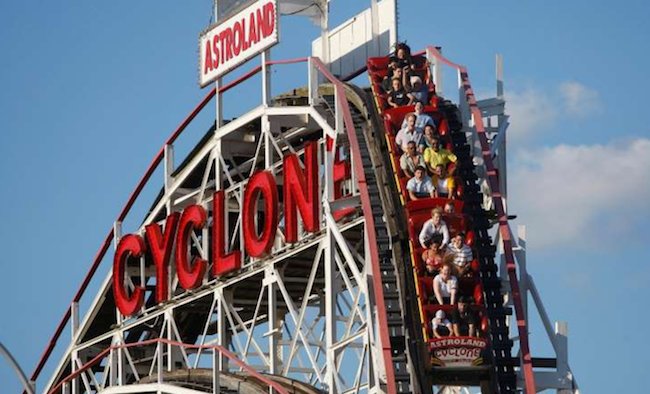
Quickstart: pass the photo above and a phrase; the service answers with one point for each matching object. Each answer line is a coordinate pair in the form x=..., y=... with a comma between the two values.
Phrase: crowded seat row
x=445, y=266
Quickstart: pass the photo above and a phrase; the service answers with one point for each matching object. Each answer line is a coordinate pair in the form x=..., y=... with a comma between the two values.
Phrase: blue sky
x=90, y=90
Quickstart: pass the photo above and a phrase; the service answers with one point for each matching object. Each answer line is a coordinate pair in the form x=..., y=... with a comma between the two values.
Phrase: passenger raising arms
x=419, y=90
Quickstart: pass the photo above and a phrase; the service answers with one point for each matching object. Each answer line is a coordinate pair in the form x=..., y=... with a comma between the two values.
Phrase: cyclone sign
x=225, y=46
x=457, y=351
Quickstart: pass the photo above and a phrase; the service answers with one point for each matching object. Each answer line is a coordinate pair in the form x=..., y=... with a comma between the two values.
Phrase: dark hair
x=420, y=168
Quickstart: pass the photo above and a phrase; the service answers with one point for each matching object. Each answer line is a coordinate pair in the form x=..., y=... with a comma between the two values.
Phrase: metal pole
x=27, y=385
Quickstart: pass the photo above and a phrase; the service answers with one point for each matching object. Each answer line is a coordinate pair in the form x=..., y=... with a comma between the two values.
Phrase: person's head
x=419, y=172
x=440, y=314
x=419, y=107
x=463, y=303
x=458, y=239
x=449, y=208
x=392, y=63
x=410, y=148
x=440, y=170
x=429, y=131
x=402, y=53
x=445, y=272
x=396, y=84
x=397, y=73
x=410, y=120
x=436, y=215
x=435, y=143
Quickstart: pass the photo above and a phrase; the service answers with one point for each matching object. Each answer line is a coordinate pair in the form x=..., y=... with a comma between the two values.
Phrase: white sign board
x=225, y=46
x=353, y=42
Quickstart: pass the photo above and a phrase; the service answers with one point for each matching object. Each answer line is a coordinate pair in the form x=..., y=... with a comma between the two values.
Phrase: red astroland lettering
x=238, y=38
x=252, y=30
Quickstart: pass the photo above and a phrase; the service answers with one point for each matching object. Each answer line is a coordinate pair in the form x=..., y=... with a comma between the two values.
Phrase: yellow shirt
x=443, y=185
x=442, y=156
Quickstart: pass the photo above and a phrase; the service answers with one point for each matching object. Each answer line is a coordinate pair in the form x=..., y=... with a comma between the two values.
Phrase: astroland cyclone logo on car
x=237, y=39
x=457, y=351
x=300, y=191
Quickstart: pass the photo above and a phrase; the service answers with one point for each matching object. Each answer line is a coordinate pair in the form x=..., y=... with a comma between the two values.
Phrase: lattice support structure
x=305, y=311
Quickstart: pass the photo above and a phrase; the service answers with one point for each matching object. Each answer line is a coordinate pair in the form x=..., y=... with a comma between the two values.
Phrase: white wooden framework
x=304, y=312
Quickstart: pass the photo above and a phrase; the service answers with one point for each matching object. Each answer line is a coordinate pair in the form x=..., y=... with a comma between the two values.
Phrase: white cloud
x=579, y=100
x=587, y=195
x=535, y=111
x=530, y=110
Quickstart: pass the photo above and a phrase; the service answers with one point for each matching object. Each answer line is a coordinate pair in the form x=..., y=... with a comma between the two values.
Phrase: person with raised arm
x=419, y=90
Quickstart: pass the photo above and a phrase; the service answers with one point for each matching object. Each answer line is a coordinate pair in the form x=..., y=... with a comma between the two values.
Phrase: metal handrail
x=232, y=357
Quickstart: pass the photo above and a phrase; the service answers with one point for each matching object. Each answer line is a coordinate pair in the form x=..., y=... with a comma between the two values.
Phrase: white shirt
x=404, y=136
x=424, y=186
x=445, y=287
x=428, y=230
x=421, y=121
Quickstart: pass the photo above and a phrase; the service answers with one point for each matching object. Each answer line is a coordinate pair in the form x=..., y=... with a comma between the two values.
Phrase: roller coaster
x=286, y=252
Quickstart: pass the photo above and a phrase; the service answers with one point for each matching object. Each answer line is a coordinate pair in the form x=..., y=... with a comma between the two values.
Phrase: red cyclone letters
x=260, y=215
x=161, y=250
x=130, y=245
x=189, y=275
x=260, y=184
x=301, y=192
x=223, y=262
